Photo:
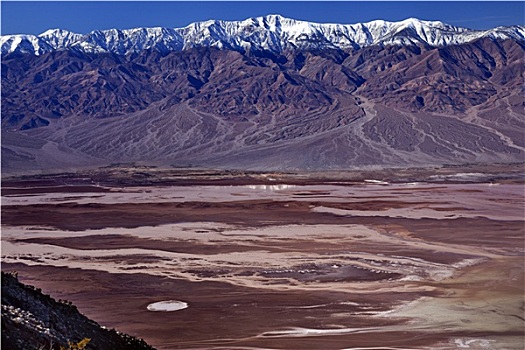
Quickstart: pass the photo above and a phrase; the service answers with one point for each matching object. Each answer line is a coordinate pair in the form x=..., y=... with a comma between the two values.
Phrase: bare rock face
x=450, y=79
x=311, y=108
x=33, y=320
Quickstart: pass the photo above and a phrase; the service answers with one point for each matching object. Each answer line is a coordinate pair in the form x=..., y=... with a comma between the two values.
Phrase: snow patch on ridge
x=272, y=32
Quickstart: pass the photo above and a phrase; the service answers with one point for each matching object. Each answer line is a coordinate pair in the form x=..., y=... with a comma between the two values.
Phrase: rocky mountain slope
x=265, y=93
x=33, y=320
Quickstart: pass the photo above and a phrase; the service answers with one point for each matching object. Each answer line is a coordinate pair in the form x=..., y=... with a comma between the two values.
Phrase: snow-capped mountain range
x=273, y=32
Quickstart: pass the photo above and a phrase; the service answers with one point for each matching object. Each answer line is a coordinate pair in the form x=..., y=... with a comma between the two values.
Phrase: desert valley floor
x=400, y=259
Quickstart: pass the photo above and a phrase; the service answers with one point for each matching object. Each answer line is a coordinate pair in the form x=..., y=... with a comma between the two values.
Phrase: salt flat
x=342, y=265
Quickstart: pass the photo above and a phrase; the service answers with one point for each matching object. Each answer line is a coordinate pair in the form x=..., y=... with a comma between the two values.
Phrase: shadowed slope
x=376, y=106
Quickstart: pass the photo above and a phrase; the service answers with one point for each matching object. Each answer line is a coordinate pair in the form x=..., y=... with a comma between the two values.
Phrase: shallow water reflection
x=278, y=187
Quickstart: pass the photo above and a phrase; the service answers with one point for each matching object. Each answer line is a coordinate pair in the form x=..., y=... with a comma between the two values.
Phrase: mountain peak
x=273, y=17
x=417, y=21
x=272, y=32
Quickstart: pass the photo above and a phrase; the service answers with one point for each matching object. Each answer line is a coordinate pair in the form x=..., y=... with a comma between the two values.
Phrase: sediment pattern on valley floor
x=355, y=264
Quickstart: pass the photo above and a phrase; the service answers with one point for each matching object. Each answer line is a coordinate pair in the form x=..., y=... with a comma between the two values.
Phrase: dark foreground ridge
x=33, y=320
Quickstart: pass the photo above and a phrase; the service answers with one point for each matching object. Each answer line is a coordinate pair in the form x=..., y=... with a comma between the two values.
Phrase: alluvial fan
x=264, y=93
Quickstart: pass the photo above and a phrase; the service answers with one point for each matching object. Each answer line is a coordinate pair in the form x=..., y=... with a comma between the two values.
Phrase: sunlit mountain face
x=264, y=93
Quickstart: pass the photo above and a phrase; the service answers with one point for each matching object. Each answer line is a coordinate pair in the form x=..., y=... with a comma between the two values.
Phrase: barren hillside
x=326, y=108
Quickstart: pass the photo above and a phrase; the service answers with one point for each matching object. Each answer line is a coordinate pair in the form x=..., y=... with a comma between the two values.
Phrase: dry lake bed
x=187, y=259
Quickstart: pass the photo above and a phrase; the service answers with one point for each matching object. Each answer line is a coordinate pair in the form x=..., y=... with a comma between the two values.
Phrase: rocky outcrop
x=34, y=320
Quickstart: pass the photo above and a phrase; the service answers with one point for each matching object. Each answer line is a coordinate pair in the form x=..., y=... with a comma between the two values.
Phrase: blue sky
x=34, y=17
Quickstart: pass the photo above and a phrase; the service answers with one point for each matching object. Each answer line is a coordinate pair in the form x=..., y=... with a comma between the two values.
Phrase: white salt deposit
x=168, y=305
